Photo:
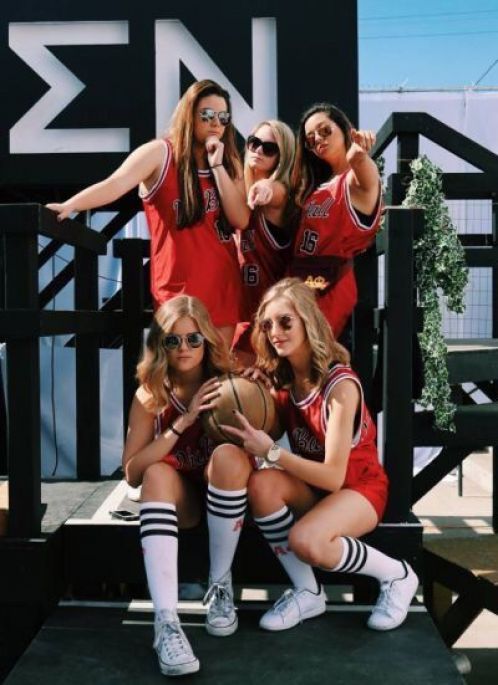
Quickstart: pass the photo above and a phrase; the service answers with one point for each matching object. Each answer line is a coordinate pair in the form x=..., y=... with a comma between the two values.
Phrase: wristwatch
x=273, y=454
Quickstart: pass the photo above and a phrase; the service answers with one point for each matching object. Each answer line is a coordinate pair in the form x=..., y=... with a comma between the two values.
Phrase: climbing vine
x=440, y=269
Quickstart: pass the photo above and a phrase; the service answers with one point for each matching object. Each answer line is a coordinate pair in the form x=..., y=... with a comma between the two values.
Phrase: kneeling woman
x=168, y=453
x=331, y=481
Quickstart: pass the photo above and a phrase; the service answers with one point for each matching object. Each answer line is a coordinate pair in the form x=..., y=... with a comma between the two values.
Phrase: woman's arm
x=271, y=196
x=143, y=165
x=329, y=474
x=231, y=191
x=142, y=449
x=363, y=179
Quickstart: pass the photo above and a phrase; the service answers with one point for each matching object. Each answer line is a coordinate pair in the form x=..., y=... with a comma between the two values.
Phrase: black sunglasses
x=284, y=321
x=268, y=148
x=323, y=131
x=208, y=114
x=172, y=341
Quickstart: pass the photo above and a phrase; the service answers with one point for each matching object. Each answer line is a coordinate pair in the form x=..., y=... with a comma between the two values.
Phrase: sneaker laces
x=286, y=602
x=220, y=599
x=172, y=638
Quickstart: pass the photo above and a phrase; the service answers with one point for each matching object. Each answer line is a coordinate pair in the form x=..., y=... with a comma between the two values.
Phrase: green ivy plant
x=440, y=268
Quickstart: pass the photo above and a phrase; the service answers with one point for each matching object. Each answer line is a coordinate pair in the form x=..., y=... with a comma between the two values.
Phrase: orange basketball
x=250, y=398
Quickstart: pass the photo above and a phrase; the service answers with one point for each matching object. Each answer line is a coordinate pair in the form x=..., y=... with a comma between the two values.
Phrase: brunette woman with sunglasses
x=314, y=501
x=337, y=188
x=192, y=188
x=264, y=247
x=168, y=453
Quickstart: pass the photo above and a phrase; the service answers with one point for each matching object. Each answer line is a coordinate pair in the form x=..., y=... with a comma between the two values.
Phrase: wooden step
x=472, y=359
x=113, y=645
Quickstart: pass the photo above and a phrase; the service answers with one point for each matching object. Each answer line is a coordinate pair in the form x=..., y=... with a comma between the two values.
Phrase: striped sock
x=159, y=538
x=275, y=529
x=357, y=557
x=225, y=516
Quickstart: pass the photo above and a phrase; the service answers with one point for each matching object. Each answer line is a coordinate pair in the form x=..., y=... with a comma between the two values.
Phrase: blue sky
x=427, y=43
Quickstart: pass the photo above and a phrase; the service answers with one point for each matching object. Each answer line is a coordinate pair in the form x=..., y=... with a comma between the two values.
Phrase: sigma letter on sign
x=89, y=82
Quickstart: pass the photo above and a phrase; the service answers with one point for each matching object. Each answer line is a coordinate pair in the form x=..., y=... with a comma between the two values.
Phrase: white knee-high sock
x=357, y=557
x=275, y=528
x=225, y=516
x=159, y=538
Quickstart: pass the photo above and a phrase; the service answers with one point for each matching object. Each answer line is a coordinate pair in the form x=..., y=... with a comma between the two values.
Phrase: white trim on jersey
x=268, y=234
x=353, y=212
x=302, y=404
x=343, y=371
x=177, y=404
x=168, y=153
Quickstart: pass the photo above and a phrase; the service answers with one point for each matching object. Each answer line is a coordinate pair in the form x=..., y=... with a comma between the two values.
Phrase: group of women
x=252, y=265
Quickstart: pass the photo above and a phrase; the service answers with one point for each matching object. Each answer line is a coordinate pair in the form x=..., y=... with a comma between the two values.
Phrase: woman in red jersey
x=314, y=501
x=192, y=188
x=264, y=247
x=168, y=453
x=337, y=188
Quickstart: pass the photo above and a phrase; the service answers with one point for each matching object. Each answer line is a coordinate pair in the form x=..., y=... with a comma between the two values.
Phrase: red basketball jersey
x=199, y=260
x=331, y=227
x=262, y=261
x=306, y=425
x=193, y=448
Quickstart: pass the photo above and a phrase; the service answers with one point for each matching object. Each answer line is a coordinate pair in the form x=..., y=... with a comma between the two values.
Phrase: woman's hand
x=260, y=193
x=214, y=149
x=361, y=144
x=255, y=441
x=202, y=400
x=63, y=210
x=252, y=373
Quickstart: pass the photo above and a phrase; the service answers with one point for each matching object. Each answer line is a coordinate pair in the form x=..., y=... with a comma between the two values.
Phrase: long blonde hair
x=181, y=134
x=286, y=144
x=153, y=369
x=325, y=350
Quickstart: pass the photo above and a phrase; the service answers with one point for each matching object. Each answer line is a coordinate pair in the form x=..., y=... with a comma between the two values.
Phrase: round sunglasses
x=284, y=321
x=207, y=114
x=172, y=341
x=310, y=138
x=269, y=149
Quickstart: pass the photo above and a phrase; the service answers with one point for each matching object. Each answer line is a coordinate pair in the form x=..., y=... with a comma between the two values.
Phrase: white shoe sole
x=180, y=669
x=309, y=614
x=222, y=631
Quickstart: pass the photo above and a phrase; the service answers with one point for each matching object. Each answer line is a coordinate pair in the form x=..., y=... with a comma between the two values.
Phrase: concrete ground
x=446, y=515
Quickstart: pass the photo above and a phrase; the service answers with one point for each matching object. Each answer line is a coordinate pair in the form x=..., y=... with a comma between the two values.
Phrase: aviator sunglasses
x=284, y=321
x=310, y=138
x=172, y=341
x=269, y=149
x=207, y=114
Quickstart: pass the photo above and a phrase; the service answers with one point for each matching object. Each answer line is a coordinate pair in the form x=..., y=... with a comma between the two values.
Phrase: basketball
x=250, y=398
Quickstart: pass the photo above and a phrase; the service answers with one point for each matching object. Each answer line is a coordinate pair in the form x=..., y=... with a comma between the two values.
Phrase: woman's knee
x=308, y=543
x=229, y=463
x=158, y=480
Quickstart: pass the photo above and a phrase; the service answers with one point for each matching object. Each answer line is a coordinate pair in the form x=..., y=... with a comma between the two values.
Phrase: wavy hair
x=287, y=146
x=309, y=171
x=153, y=369
x=325, y=350
x=181, y=134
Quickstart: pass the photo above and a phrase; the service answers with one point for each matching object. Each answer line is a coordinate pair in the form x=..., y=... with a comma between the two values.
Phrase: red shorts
x=367, y=477
x=242, y=338
x=338, y=304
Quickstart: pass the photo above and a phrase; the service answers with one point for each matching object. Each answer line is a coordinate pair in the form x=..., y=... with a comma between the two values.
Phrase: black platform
x=112, y=646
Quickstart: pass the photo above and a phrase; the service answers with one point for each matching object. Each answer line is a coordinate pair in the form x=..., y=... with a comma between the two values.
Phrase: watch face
x=273, y=454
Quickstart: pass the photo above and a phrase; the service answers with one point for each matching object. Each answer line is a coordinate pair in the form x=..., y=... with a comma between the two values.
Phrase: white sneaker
x=394, y=601
x=294, y=607
x=221, y=619
x=174, y=652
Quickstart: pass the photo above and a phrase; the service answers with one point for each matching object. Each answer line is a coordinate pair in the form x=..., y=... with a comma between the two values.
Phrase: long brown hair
x=153, y=370
x=181, y=134
x=309, y=171
x=325, y=350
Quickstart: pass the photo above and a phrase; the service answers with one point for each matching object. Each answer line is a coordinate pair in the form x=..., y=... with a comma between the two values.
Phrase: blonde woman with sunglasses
x=264, y=247
x=179, y=468
x=313, y=501
x=192, y=188
x=337, y=189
